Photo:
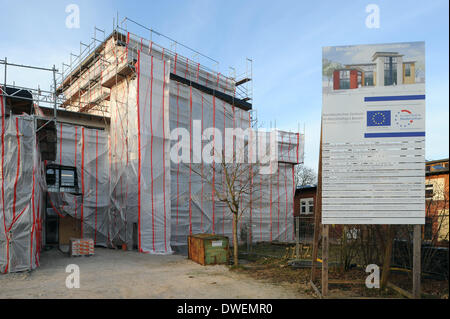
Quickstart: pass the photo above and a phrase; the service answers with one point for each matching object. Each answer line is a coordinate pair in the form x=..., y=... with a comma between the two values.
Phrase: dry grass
x=275, y=269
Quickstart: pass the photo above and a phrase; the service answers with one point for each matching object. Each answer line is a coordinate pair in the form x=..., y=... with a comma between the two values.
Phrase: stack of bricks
x=81, y=247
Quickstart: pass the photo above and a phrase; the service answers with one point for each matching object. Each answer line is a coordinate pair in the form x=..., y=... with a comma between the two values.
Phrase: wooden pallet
x=81, y=247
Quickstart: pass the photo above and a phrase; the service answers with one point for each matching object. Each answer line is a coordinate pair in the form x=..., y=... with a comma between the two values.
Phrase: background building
x=304, y=210
x=437, y=201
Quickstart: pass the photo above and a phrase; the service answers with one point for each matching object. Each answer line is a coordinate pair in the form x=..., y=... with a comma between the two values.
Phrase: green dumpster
x=208, y=249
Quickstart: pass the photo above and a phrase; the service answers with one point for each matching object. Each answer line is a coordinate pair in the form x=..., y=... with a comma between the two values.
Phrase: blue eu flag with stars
x=378, y=118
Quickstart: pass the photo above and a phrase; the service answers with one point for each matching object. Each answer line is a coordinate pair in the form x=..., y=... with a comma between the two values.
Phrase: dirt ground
x=128, y=274
x=270, y=261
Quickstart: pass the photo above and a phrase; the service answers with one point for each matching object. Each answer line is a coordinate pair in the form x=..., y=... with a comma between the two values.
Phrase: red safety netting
x=140, y=159
x=22, y=185
x=87, y=151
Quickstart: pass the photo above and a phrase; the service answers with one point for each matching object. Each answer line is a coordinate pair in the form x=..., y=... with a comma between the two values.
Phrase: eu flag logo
x=378, y=118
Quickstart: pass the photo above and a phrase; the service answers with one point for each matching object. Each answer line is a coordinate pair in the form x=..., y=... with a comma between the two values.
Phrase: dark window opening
x=51, y=227
x=429, y=191
x=51, y=177
x=62, y=179
x=428, y=229
x=408, y=69
x=390, y=71
x=368, y=78
x=344, y=79
x=359, y=79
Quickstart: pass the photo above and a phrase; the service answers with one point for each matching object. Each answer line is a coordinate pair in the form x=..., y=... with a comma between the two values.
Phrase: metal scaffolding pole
x=38, y=92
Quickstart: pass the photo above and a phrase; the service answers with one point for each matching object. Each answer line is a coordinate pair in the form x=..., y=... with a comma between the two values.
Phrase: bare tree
x=328, y=68
x=436, y=231
x=232, y=184
x=304, y=175
x=437, y=205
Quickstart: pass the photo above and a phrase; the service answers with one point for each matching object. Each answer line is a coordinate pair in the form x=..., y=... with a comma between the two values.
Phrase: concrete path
x=128, y=274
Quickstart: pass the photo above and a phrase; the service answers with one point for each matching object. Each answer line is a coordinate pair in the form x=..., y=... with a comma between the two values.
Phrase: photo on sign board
x=368, y=66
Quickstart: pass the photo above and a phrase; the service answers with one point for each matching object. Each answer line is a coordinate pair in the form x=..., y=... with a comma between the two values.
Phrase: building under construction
x=97, y=164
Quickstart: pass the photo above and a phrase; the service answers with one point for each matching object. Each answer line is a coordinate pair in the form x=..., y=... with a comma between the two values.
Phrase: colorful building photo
x=368, y=66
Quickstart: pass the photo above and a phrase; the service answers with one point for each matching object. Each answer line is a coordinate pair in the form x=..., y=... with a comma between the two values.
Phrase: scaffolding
x=35, y=96
x=85, y=82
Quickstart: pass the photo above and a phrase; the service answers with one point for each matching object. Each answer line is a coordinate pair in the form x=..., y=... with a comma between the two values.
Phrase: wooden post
x=387, y=255
x=317, y=213
x=417, y=243
x=297, y=237
x=325, y=245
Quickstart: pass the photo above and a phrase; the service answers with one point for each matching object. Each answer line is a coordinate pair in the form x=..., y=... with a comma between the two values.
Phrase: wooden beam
x=399, y=290
x=220, y=95
x=346, y=282
x=417, y=243
x=240, y=82
x=325, y=245
x=317, y=213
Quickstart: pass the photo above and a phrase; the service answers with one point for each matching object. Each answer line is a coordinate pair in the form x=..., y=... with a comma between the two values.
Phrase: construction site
x=91, y=158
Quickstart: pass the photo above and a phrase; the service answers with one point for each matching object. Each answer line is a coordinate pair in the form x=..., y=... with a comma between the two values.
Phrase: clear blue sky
x=284, y=39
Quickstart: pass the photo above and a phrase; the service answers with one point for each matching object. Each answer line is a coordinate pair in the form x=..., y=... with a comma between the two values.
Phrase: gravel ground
x=128, y=274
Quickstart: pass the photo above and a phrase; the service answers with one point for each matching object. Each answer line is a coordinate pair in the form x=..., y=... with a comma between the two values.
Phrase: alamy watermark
x=73, y=18
x=373, y=280
x=373, y=19
x=73, y=280
x=239, y=146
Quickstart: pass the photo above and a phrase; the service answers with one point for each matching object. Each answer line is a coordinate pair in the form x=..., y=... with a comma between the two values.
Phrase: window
x=359, y=79
x=435, y=189
x=428, y=229
x=429, y=191
x=407, y=69
x=61, y=179
x=344, y=79
x=390, y=70
x=68, y=177
x=52, y=178
x=368, y=78
x=443, y=225
x=307, y=206
x=437, y=167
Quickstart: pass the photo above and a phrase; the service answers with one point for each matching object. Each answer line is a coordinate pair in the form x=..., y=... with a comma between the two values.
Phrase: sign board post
x=416, y=260
x=325, y=246
x=317, y=215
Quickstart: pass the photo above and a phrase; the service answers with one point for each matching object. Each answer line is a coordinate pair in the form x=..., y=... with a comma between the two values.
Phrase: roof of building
x=380, y=54
x=360, y=64
x=433, y=167
x=122, y=40
x=437, y=161
x=306, y=187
